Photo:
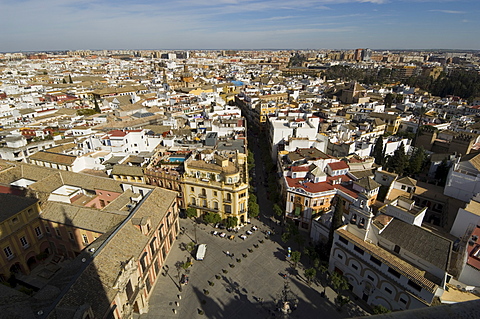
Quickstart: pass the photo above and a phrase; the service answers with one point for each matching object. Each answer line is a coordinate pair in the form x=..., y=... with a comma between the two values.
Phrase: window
x=160, y=231
x=8, y=252
x=370, y=278
x=24, y=242
x=403, y=301
x=403, y=187
x=143, y=262
x=396, y=249
x=156, y=266
x=14, y=220
x=375, y=261
x=152, y=245
x=215, y=193
x=339, y=256
x=343, y=240
x=85, y=239
x=148, y=284
x=388, y=290
x=129, y=290
x=57, y=232
x=394, y=272
x=168, y=219
x=38, y=232
x=414, y=285
x=192, y=189
x=354, y=266
x=70, y=235
x=358, y=250
x=164, y=252
x=47, y=229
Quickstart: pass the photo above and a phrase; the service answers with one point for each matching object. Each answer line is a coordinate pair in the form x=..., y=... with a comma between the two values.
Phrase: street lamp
x=195, y=231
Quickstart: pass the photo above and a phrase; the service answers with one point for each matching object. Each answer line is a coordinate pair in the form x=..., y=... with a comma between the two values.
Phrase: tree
x=441, y=173
x=310, y=273
x=190, y=246
x=231, y=222
x=212, y=218
x=250, y=160
x=96, y=108
x=377, y=151
x=336, y=221
x=341, y=301
x=191, y=212
x=324, y=276
x=338, y=282
x=295, y=258
x=285, y=237
x=388, y=100
x=312, y=254
x=379, y=309
x=299, y=240
x=399, y=98
x=253, y=208
x=277, y=210
x=399, y=161
x=416, y=161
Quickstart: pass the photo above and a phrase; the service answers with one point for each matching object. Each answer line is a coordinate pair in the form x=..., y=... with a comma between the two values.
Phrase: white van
x=201, y=249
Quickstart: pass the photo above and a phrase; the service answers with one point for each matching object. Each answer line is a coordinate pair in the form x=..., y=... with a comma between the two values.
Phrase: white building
x=463, y=181
x=393, y=261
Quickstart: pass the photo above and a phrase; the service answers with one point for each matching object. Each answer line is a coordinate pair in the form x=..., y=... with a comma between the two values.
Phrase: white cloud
x=449, y=11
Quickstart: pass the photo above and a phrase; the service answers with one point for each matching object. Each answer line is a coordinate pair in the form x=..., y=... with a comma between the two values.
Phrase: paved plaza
x=248, y=290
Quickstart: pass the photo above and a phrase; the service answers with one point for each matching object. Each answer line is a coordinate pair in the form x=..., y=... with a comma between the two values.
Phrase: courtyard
x=248, y=284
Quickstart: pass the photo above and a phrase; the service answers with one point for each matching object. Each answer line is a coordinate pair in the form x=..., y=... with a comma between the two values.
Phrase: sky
x=44, y=25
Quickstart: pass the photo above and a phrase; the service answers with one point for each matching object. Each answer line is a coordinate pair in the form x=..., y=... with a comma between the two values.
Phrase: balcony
x=204, y=208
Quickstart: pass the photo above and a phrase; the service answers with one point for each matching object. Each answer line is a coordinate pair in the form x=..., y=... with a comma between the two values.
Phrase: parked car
x=214, y=233
x=243, y=236
x=222, y=235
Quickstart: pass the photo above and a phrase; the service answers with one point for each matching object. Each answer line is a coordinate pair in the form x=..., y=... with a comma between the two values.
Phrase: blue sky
x=238, y=24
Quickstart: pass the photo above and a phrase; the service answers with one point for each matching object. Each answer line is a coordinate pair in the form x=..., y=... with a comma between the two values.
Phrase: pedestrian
x=233, y=255
x=228, y=253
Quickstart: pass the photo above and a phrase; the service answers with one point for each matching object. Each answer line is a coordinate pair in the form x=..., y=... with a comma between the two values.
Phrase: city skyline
x=239, y=24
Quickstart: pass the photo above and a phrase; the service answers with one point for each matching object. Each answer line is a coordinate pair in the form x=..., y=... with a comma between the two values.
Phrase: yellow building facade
x=216, y=182
x=21, y=235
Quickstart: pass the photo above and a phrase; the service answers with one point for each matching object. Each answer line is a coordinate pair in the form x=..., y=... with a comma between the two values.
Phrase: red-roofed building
x=309, y=196
x=337, y=168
